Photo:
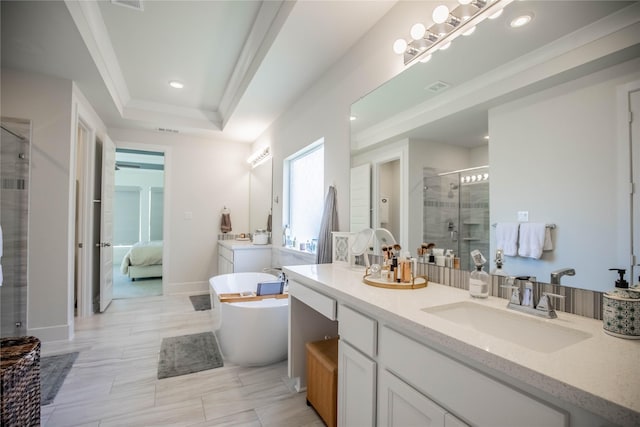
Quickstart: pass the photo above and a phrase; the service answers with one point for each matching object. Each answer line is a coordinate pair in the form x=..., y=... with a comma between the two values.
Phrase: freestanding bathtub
x=251, y=333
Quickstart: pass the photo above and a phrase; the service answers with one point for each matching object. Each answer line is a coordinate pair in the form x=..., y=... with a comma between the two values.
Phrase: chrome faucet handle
x=545, y=304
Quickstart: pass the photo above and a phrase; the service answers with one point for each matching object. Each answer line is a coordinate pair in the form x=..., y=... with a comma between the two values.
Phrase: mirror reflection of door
x=138, y=209
x=388, y=198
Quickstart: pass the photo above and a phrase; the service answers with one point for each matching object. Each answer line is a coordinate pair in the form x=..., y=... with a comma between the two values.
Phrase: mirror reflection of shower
x=456, y=211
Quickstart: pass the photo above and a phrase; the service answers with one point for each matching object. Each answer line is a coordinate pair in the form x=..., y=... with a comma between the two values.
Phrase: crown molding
x=171, y=115
x=270, y=20
x=88, y=19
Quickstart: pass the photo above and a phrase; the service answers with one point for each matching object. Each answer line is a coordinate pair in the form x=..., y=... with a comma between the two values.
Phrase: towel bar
x=551, y=226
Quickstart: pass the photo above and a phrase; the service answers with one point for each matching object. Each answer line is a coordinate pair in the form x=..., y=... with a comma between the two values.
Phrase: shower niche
x=456, y=211
x=15, y=154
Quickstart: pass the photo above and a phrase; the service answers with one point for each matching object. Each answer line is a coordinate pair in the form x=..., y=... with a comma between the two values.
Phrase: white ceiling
x=242, y=62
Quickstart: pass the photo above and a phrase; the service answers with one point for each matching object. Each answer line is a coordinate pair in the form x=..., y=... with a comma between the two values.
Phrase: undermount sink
x=545, y=336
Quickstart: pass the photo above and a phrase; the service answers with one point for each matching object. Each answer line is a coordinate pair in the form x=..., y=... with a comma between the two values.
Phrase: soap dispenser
x=621, y=309
x=478, y=279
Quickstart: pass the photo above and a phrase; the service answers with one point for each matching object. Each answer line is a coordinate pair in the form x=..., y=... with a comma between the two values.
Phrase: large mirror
x=260, y=208
x=547, y=96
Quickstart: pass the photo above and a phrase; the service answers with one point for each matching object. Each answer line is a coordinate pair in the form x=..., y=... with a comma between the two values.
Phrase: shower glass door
x=14, y=205
x=456, y=212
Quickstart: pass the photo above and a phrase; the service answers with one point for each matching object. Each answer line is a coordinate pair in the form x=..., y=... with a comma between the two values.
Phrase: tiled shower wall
x=14, y=205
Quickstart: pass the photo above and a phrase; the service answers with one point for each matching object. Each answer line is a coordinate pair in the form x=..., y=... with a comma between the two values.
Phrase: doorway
x=138, y=222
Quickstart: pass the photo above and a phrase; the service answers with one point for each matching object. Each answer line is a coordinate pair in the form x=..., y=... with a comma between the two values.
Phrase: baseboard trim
x=52, y=333
x=186, y=288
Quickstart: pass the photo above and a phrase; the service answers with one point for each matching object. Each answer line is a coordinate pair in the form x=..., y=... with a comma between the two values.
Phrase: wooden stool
x=20, y=373
x=322, y=379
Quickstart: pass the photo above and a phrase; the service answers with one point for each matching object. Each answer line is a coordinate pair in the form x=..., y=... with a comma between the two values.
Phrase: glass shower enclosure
x=456, y=212
x=15, y=152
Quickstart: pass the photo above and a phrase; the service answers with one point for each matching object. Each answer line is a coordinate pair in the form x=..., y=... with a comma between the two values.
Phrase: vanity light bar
x=435, y=38
x=259, y=156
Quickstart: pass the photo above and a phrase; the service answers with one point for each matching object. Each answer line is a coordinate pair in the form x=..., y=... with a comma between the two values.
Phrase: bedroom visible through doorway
x=138, y=223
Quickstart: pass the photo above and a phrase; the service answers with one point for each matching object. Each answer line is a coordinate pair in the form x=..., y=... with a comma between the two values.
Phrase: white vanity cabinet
x=357, y=368
x=467, y=393
x=400, y=405
x=239, y=256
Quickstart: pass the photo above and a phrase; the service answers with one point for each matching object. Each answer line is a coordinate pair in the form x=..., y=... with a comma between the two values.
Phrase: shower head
x=452, y=187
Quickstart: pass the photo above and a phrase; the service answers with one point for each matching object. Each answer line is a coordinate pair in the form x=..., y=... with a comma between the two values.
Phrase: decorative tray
x=249, y=296
x=416, y=282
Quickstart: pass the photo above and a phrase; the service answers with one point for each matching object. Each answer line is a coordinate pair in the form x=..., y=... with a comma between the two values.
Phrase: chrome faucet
x=557, y=274
x=523, y=297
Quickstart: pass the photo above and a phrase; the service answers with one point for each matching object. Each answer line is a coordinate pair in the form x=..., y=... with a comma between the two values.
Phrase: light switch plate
x=523, y=216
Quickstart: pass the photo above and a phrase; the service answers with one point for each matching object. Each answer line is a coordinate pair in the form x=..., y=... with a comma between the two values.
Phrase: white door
x=106, y=223
x=400, y=405
x=356, y=388
x=360, y=198
x=634, y=107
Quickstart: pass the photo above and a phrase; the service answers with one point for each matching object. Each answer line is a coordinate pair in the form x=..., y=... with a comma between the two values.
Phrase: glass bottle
x=479, y=283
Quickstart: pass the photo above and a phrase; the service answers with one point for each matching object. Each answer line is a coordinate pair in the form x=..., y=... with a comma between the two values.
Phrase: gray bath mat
x=187, y=354
x=53, y=371
x=201, y=302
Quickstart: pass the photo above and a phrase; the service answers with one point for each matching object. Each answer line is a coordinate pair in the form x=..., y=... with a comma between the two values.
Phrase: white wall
x=46, y=101
x=202, y=176
x=565, y=142
x=323, y=110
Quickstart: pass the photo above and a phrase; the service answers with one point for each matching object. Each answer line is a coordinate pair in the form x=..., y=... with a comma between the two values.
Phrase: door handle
x=103, y=245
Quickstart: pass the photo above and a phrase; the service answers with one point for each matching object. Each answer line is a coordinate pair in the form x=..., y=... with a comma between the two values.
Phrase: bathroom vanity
x=238, y=256
x=436, y=355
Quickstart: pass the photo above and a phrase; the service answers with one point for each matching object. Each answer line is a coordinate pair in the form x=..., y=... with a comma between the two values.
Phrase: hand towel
x=507, y=237
x=548, y=243
x=225, y=223
x=531, y=242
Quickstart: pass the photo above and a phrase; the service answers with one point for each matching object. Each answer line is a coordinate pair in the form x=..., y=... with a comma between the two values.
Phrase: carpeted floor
x=187, y=354
x=123, y=287
x=53, y=371
x=201, y=302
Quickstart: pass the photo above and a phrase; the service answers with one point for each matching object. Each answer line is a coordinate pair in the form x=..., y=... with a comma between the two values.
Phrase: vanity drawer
x=319, y=302
x=467, y=393
x=358, y=330
x=226, y=253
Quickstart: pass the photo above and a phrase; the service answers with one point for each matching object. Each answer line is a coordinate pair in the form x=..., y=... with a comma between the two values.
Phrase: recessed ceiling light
x=352, y=118
x=176, y=84
x=486, y=137
x=521, y=20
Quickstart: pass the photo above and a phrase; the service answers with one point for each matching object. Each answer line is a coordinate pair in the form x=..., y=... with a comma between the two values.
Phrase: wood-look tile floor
x=114, y=380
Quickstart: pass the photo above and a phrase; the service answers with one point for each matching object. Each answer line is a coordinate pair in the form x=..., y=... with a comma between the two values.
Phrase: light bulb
x=445, y=46
x=469, y=31
x=425, y=58
x=418, y=31
x=399, y=46
x=440, y=14
x=176, y=84
x=496, y=15
x=464, y=1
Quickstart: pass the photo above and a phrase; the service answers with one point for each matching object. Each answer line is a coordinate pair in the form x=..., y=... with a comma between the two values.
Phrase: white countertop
x=242, y=244
x=600, y=374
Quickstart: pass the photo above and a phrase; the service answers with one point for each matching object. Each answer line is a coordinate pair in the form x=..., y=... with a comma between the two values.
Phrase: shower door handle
x=103, y=245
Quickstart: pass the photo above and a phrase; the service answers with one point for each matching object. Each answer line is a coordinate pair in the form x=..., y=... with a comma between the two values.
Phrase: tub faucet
x=557, y=274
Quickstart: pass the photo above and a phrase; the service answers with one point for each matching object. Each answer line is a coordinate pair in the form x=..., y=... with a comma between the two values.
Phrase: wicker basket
x=20, y=373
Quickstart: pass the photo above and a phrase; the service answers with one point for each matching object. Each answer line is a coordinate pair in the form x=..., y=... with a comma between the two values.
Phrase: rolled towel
x=507, y=237
x=532, y=238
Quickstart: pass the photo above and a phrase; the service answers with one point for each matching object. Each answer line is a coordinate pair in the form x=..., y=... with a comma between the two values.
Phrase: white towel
x=507, y=237
x=532, y=239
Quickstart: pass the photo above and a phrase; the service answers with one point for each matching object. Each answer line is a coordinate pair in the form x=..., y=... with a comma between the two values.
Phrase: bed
x=143, y=260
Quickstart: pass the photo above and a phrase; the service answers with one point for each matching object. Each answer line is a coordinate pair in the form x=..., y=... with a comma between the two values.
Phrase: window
x=126, y=217
x=304, y=190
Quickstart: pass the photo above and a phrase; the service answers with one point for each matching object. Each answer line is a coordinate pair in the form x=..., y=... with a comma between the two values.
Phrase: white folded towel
x=507, y=237
x=532, y=239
